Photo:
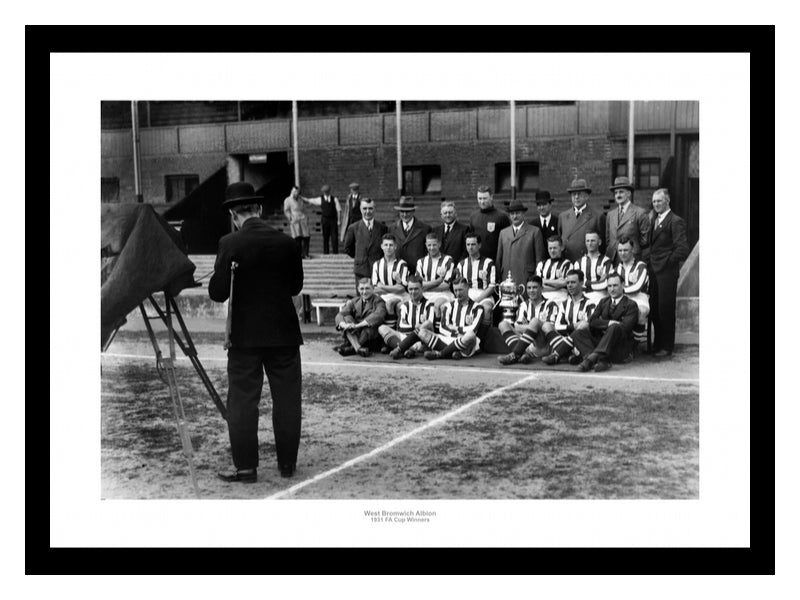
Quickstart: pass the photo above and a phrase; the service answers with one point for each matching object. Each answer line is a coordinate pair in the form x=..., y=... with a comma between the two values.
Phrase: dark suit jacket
x=364, y=247
x=456, y=243
x=626, y=312
x=551, y=230
x=270, y=272
x=573, y=231
x=351, y=212
x=412, y=247
x=668, y=244
x=519, y=254
x=635, y=224
x=373, y=311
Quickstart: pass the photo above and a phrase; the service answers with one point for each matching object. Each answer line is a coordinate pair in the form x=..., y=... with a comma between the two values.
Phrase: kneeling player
x=526, y=338
x=415, y=314
x=457, y=336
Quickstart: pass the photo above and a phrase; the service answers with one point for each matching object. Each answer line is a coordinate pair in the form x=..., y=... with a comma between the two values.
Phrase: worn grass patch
x=572, y=441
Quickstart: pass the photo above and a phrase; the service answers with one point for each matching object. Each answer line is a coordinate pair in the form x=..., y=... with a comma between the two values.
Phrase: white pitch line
x=397, y=440
x=471, y=369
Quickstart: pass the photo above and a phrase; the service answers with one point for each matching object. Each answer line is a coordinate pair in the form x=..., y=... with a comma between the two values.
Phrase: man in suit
x=668, y=249
x=264, y=332
x=351, y=210
x=488, y=222
x=331, y=212
x=546, y=222
x=409, y=232
x=362, y=242
x=626, y=220
x=451, y=233
x=359, y=321
x=574, y=222
x=520, y=246
x=609, y=337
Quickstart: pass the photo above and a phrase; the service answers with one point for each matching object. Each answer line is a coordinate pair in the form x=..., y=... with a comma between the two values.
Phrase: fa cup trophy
x=509, y=297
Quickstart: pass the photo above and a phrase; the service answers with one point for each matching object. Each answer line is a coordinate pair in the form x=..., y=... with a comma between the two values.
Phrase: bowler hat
x=516, y=206
x=543, y=197
x=621, y=183
x=406, y=203
x=579, y=185
x=240, y=193
x=353, y=186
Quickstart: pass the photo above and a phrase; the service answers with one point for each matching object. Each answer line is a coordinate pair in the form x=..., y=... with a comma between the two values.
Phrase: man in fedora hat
x=520, y=246
x=409, y=232
x=264, y=334
x=547, y=221
x=574, y=222
x=626, y=220
x=351, y=211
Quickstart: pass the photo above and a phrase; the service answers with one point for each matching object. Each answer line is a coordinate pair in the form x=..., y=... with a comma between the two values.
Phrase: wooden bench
x=328, y=282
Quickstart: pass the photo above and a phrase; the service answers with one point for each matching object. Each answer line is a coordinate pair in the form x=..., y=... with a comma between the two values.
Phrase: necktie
x=621, y=212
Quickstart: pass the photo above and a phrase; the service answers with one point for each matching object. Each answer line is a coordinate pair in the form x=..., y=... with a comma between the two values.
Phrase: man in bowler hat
x=574, y=222
x=264, y=332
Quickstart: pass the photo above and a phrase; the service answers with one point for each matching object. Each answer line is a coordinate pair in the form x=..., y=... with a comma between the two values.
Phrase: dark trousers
x=246, y=368
x=330, y=231
x=613, y=344
x=663, y=293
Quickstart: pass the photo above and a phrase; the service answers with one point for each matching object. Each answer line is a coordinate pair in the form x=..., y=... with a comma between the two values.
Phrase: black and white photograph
x=444, y=300
x=478, y=315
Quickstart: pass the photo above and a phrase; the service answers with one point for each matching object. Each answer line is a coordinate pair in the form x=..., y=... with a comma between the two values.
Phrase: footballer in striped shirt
x=415, y=313
x=635, y=283
x=436, y=270
x=480, y=274
x=596, y=267
x=525, y=337
x=389, y=276
x=553, y=271
x=573, y=314
x=457, y=337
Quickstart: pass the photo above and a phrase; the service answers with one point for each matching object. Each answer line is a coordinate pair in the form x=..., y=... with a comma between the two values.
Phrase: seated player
x=525, y=337
x=415, y=313
x=359, y=320
x=635, y=283
x=609, y=336
x=553, y=271
x=457, y=337
x=595, y=267
x=389, y=276
x=573, y=314
x=436, y=270
x=480, y=274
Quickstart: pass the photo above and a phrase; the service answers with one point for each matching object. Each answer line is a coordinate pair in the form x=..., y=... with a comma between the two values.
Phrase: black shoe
x=432, y=354
x=347, y=351
x=364, y=352
x=287, y=470
x=456, y=355
x=385, y=350
x=526, y=358
x=410, y=353
x=574, y=359
x=508, y=359
x=662, y=354
x=396, y=354
x=602, y=366
x=243, y=475
x=551, y=359
x=586, y=365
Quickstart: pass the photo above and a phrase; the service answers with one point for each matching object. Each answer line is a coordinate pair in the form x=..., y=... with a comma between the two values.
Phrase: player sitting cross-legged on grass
x=525, y=337
x=457, y=337
x=573, y=314
x=415, y=313
x=436, y=271
x=359, y=320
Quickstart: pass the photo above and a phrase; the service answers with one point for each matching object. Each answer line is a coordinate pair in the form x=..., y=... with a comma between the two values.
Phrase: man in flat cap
x=626, y=220
x=574, y=222
x=259, y=269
